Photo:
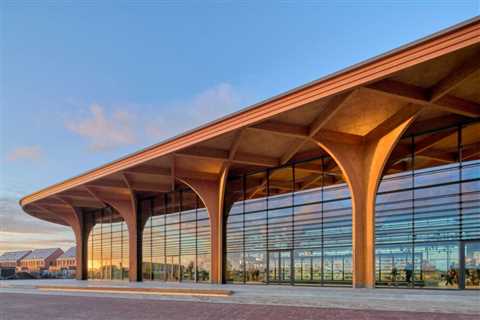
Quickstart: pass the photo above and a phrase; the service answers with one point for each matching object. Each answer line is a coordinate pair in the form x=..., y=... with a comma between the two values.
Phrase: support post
x=212, y=195
x=362, y=165
x=81, y=258
x=127, y=208
x=75, y=218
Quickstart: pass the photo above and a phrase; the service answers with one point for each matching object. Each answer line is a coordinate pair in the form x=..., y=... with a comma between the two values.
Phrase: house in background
x=10, y=262
x=66, y=263
x=12, y=259
x=40, y=259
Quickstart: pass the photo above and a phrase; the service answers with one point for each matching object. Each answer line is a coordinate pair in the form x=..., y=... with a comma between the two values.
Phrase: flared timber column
x=126, y=206
x=362, y=163
x=212, y=194
x=73, y=217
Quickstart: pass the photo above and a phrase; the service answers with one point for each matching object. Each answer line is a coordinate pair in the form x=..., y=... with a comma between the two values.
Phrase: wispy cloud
x=206, y=106
x=150, y=123
x=103, y=131
x=32, y=153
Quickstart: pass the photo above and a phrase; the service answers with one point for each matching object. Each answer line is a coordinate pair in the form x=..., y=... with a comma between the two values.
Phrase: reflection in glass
x=255, y=267
x=107, y=245
x=438, y=265
x=472, y=265
x=289, y=216
x=427, y=209
x=176, y=238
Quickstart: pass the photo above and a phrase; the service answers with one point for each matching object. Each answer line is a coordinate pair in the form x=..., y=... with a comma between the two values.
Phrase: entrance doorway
x=280, y=266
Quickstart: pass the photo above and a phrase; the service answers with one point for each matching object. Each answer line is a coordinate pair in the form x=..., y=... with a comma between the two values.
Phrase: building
x=12, y=259
x=65, y=265
x=40, y=259
x=67, y=260
x=367, y=177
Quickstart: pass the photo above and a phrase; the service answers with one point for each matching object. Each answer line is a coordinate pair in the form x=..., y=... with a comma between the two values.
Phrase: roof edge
x=364, y=72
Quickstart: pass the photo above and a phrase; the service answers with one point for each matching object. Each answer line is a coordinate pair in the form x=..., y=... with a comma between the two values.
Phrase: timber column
x=212, y=195
x=362, y=164
x=126, y=206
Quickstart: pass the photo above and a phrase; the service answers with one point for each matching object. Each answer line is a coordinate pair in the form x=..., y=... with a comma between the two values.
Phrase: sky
x=84, y=84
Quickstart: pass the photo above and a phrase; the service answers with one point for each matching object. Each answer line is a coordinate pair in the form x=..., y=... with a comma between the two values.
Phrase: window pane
x=107, y=245
x=177, y=237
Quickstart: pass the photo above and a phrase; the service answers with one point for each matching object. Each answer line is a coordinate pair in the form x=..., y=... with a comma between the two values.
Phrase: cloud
x=105, y=132
x=179, y=116
x=150, y=123
x=14, y=219
x=20, y=231
x=213, y=102
x=32, y=153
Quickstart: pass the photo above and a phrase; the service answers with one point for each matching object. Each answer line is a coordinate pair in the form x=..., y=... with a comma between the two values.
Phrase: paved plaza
x=25, y=299
x=30, y=306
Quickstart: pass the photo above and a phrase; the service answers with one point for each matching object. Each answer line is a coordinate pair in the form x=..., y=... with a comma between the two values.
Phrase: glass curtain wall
x=176, y=238
x=290, y=225
x=107, y=245
x=428, y=213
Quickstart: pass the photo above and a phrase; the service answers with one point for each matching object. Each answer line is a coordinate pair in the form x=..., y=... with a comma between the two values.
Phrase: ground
x=26, y=300
x=30, y=306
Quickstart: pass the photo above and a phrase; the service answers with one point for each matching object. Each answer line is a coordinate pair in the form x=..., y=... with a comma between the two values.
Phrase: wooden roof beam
x=54, y=215
x=76, y=193
x=455, y=78
x=84, y=202
x=166, y=172
x=44, y=214
x=151, y=187
x=109, y=184
x=432, y=139
x=438, y=155
x=472, y=152
x=131, y=186
x=256, y=160
x=94, y=195
x=173, y=168
x=421, y=148
x=417, y=95
x=235, y=144
x=222, y=155
x=347, y=138
x=101, y=194
x=282, y=129
x=433, y=124
x=315, y=179
x=326, y=113
x=392, y=122
x=149, y=170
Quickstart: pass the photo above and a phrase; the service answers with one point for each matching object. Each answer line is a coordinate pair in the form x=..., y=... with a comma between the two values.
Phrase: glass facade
x=428, y=214
x=176, y=238
x=293, y=224
x=107, y=245
x=289, y=225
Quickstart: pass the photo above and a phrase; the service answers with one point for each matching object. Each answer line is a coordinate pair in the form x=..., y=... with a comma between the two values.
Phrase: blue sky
x=81, y=85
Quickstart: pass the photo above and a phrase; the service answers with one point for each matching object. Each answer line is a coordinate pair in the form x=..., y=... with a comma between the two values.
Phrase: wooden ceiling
x=447, y=87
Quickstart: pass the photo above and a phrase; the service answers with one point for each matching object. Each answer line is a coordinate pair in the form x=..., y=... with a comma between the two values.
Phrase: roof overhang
x=367, y=74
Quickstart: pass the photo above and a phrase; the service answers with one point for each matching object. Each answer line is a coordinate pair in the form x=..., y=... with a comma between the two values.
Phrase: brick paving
x=20, y=306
